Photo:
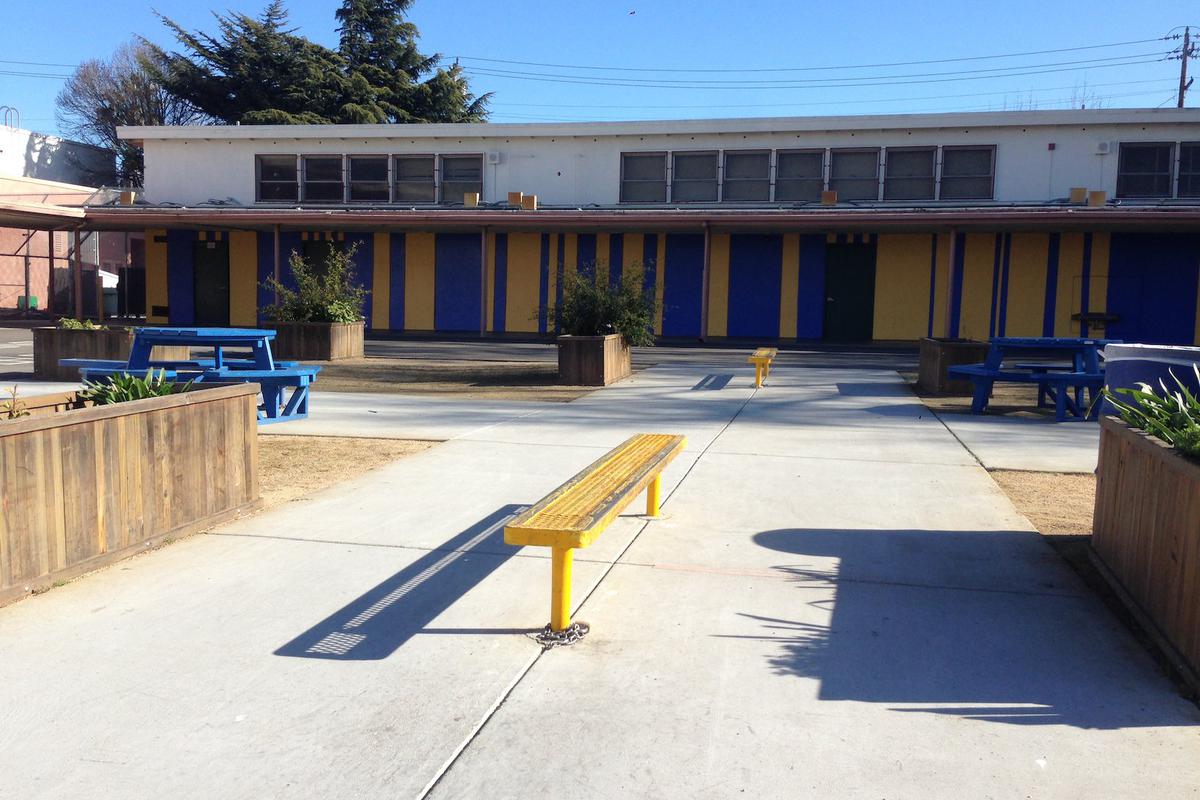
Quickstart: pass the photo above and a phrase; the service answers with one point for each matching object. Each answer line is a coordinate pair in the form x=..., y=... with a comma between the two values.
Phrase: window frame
x=830, y=178
x=932, y=150
x=258, y=179
x=1174, y=151
x=666, y=178
x=350, y=182
x=394, y=180
x=303, y=177
x=822, y=179
x=941, y=171
x=440, y=176
x=716, y=179
x=725, y=180
x=1179, y=168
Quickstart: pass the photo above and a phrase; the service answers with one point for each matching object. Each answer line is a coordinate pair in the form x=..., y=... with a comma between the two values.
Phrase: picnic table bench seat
x=761, y=359
x=1053, y=383
x=577, y=512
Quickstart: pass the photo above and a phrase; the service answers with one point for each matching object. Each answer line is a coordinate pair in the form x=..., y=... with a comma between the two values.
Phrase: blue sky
x=649, y=37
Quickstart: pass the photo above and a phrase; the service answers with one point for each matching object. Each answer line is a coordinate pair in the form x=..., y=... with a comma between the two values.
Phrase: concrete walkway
x=1039, y=445
x=839, y=603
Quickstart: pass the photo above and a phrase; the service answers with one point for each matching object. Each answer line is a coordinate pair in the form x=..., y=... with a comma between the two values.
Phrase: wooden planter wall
x=593, y=360
x=317, y=341
x=82, y=488
x=938, y=355
x=1147, y=536
x=51, y=344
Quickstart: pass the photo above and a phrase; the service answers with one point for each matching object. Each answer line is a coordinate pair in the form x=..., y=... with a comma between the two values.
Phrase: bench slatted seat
x=761, y=359
x=576, y=513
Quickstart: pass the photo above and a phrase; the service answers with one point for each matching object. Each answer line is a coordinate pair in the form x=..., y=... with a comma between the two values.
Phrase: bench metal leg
x=982, y=392
x=654, y=496
x=758, y=375
x=561, y=561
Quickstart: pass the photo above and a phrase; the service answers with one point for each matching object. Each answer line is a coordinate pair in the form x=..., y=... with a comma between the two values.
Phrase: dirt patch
x=492, y=380
x=1056, y=503
x=291, y=467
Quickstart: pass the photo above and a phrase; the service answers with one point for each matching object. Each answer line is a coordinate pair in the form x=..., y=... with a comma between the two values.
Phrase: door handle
x=828, y=299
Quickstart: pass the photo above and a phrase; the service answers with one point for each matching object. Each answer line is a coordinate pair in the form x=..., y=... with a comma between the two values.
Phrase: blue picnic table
x=1067, y=369
x=283, y=385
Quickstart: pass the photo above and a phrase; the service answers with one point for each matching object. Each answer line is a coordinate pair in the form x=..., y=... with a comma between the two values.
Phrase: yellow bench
x=761, y=359
x=576, y=513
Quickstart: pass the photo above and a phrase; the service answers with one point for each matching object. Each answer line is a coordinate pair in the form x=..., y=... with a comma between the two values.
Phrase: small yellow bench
x=576, y=513
x=761, y=359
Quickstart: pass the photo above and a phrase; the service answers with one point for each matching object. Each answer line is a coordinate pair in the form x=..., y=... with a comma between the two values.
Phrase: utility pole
x=1184, y=82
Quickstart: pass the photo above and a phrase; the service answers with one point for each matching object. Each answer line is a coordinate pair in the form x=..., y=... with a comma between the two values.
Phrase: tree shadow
x=378, y=623
x=971, y=624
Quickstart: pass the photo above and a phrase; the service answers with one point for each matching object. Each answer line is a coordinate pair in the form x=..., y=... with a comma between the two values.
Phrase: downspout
x=704, y=278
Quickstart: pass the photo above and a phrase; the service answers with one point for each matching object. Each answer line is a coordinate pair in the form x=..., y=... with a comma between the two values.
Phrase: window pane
x=414, y=168
x=747, y=165
x=747, y=190
x=415, y=192
x=855, y=188
x=644, y=191
x=373, y=191
x=854, y=164
x=1189, y=185
x=966, y=161
x=1146, y=158
x=277, y=168
x=368, y=168
x=908, y=189
x=699, y=166
x=644, y=167
x=277, y=191
x=910, y=164
x=799, y=191
x=323, y=168
x=462, y=168
x=694, y=191
x=325, y=192
x=453, y=191
x=800, y=165
x=1189, y=157
x=1144, y=170
x=966, y=188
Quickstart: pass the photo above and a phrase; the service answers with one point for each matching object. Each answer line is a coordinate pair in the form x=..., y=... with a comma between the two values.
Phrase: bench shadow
x=713, y=382
x=378, y=623
x=980, y=625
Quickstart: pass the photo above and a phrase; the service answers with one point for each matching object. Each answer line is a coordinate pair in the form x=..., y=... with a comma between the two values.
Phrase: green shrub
x=69, y=324
x=123, y=387
x=13, y=407
x=1173, y=415
x=591, y=306
x=324, y=293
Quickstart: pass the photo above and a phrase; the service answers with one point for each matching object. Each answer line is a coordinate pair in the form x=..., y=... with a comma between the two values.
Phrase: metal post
x=78, y=276
x=561, y=561
x=50, y=279
x=28, y=237
x=654, y=496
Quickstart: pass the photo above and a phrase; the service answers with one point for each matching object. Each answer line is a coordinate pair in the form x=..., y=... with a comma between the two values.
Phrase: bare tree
x=101, y=95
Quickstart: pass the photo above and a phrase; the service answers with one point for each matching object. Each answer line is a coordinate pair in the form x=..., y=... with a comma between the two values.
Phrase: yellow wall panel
x=1026, y=284
x=718, y=284
x=941, y=285
x=552, y=284
x=979, y=260
x=243, y=278
x=902, y=286
x=418, y=281
x=631, y=253
x=789, y=286
x=156, y=274
x=1098, y=282
x=570, y=251
x=381, y=281
x=1070, y=283
x=660, y=276
x=521, y=297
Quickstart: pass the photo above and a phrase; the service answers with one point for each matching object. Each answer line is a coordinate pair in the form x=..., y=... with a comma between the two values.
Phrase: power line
x=817, y=69
x=37, y=63
x=583, y=81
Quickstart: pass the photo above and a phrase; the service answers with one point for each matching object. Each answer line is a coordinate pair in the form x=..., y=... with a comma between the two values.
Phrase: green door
x=849, y=292
x=210, y=277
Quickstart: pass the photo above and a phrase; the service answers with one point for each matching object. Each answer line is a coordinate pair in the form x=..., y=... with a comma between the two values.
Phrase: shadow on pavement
x=377, y=624
x=963, y=641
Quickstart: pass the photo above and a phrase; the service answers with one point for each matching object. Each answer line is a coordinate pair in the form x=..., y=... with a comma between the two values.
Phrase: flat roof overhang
x=1055, y=218
x=39, y=216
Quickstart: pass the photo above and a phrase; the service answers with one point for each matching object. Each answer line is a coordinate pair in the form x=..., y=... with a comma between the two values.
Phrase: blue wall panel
x=683, y=284
x=500, y=292
x=364, y=266
x=396, y=283
x=810, y=299
x=755, y=279
x=1152, y=279
x=456, y=299
x=587, y=254
x=616, y=258
x=181, y=303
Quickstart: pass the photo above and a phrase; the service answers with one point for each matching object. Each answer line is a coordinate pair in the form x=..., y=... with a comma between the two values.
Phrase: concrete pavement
x=838, y=602
x=1040, y=445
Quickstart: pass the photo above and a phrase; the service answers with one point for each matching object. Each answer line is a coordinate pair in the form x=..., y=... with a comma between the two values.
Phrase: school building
x=859, y=228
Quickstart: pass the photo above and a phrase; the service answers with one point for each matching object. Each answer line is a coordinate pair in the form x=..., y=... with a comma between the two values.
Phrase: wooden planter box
x=83, y=488
x=317, y=341
x=593, y=360
x=937, y=355
x=51, y=344
x=1146, y=537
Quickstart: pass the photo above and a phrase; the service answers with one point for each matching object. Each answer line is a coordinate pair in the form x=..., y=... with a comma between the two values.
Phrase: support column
x=78, y=276
x=654, y=496
x=562, y=559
